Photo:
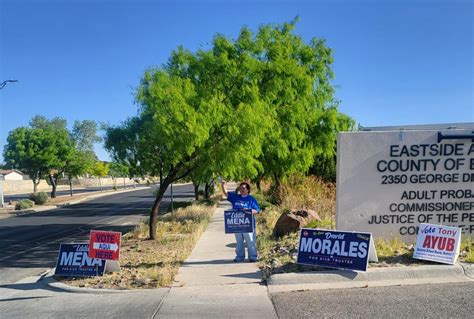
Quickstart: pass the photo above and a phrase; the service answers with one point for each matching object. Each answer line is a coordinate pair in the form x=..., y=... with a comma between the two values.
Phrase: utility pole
x=2, y=204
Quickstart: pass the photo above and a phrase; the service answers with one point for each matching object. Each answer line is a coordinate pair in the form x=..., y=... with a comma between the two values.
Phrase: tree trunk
x=278, y=196
x=35, y=185
x=70, y=185
x=53, y=182
x=124, y=185
x=259, y=188
x=196, y=191
x=156, y=208
x=161, y=173
x=206, y=190
x=100, y=185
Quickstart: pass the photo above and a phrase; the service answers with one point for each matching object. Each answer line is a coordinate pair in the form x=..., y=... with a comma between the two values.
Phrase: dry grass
x=312, y=193
x=154, y=263
x=467, y=250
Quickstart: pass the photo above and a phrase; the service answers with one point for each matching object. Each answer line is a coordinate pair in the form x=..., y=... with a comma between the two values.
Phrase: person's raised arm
x=224, y=189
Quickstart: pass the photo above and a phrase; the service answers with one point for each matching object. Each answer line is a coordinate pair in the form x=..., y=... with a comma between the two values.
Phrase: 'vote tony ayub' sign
x=334, y=249
x=238, y=221
x=73, y=260
x=438, y=243
x=104, y=244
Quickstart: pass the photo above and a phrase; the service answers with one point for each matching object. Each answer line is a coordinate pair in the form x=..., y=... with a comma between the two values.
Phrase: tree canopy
x=260, y=105
x=46, y=149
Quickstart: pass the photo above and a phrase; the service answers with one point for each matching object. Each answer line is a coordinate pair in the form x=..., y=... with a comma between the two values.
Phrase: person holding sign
x=247, y=203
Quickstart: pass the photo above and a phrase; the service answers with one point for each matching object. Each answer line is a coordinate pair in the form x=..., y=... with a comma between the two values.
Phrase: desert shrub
x=39, y=198
x=24, y=204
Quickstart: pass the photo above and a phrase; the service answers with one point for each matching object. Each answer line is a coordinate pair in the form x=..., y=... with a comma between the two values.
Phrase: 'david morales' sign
x=438, y=243
x=334, y=249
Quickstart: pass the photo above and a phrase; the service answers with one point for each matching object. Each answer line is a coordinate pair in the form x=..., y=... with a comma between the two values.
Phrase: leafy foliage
x=100, y=169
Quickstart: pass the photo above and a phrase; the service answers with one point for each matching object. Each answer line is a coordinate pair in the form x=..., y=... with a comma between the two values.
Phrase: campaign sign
x=104, y=244
x=334, y=249
x=238, y=221
x=438, y=243
x=74, y=260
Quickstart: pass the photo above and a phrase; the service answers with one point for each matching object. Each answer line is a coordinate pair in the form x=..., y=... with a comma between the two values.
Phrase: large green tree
x=260, y=105
x=116, y=170
x=100, y=169
x=84, y=134
x=45, y=149
x=59, y=144
x=80, y=163
x=28, y=149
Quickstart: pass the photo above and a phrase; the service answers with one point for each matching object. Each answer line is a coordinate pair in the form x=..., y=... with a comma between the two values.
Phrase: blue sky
x=396, y=62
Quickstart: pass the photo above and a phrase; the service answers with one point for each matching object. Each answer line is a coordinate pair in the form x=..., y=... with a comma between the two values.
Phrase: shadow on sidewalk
x=251, y=275
x=208, y=262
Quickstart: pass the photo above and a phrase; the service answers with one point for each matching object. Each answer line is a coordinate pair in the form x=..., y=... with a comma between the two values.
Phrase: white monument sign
x=388, y=182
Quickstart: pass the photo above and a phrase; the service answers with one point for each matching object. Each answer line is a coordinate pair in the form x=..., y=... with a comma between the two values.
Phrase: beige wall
x=105, y=181
x=26, y=186
x=23, y=186
x=13, y=176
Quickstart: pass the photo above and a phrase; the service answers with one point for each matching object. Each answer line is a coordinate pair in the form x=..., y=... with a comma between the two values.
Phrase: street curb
x=49, y=280
x=374, y=277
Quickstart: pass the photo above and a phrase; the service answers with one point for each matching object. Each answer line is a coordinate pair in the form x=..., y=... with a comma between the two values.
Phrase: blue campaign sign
x=74, y=260
x=334, y=249
x=238, y=221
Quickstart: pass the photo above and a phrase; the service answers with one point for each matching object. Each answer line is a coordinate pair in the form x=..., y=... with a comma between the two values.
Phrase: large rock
x=292, y=221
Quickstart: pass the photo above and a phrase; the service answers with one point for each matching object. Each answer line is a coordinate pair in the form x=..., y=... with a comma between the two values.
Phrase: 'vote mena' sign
x=334, y=249
x=438, y=243
x=238, y=221
x=73, y=260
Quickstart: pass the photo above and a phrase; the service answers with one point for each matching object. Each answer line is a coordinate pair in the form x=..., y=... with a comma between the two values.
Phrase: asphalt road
x=29, y=243
x=452, y=300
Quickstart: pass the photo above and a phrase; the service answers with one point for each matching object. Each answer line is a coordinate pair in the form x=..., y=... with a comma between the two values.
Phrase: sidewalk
x=209, y=284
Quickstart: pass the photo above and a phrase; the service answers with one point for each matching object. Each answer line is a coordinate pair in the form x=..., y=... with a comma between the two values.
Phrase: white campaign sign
x=438, y=243
x=388, y=182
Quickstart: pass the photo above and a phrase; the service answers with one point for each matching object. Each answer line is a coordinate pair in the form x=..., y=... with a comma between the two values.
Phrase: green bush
x=39, y=198
x=24, y=204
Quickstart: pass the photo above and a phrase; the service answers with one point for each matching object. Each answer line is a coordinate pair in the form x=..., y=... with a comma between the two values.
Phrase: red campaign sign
x=104, y=244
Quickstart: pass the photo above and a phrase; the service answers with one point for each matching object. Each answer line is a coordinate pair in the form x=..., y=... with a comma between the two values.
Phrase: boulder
x=292, y=221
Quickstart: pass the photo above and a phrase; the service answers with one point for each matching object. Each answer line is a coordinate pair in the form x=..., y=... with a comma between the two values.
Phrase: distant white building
x=11, y=175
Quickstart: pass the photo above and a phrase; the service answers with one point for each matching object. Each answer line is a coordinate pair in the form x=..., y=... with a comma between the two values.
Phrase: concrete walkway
x=209, y=284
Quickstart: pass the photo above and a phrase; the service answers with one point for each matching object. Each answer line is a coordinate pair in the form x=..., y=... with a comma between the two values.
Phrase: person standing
x=246, y=202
